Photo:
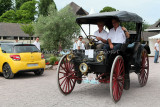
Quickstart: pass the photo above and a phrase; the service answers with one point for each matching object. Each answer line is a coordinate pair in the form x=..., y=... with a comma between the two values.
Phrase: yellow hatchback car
x=16, y=58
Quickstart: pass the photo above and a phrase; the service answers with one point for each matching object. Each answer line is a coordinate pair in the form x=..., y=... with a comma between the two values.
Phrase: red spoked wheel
x=117, y=78
x=66, y=76
x=144, y=71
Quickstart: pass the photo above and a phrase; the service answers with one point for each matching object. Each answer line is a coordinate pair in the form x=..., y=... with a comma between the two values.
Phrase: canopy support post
x=89, y=29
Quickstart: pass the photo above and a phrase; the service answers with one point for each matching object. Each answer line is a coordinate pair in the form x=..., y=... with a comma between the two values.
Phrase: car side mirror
x=0, y=50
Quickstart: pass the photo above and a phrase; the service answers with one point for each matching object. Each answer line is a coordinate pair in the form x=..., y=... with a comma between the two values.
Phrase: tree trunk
x=30, y=39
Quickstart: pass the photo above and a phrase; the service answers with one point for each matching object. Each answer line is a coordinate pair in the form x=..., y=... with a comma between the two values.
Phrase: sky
x=149, y=10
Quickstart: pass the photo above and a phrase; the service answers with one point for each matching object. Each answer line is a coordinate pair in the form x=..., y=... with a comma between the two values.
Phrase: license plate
x=32, y=65
x=89, y=53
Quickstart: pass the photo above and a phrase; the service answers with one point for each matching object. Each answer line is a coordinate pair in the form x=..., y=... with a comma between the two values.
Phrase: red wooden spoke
x=62, y=77
x=63, y=82
x=63, y=68
x=64, y=85
x=70, y=83
x=62, y=72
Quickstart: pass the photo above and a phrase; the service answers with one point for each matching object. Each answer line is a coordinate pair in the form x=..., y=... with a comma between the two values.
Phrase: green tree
x=19, y=3
x=28, y=29
x=44, y=5
x=129, y=25
x=145, y=26
x=25, y=14
x=30, y=7
x=5, y=5
x=108, y=9
x=58, y=27
x=8, y=16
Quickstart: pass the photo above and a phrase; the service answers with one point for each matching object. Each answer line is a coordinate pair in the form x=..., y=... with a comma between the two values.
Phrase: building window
x=24, y=38
x=15, y=38
x=8, y=38
x=21, y=38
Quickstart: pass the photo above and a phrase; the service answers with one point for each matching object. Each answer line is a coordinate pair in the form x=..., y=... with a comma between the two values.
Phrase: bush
x=52, y=60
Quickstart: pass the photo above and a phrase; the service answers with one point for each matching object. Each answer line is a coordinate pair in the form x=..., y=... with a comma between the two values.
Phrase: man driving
x=117, y=36
x=101, y=35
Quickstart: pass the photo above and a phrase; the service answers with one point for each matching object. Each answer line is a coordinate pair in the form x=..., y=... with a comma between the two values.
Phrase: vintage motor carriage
x=109, y=66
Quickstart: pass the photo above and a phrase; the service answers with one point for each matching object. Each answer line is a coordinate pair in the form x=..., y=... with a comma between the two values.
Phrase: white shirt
x=83, y=47
x=157, y=46
x=117, y=36
x=79, y=43
x=37, y=44
x=103, y=34
x=75, y=46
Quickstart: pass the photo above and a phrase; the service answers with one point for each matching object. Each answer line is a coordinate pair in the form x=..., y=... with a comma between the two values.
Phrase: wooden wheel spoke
x=66, y=85
x=71, y=83
x=62, y=77
x=63, y=68
x=62, y=72
x=63, y=82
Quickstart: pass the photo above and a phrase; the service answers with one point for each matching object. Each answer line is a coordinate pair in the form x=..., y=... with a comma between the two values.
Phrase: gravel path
x=28, y=90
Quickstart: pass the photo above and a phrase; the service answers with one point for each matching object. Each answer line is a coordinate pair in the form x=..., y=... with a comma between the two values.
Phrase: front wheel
x=7, y=72
x=144, y=71
x=117, y=78
x=66, y=76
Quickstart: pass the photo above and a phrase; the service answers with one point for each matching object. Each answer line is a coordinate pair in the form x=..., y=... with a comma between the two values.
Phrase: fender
x=137, y=58
x=147, y=48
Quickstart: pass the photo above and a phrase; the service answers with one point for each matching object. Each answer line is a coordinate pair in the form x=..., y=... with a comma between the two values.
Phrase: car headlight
x=70, y=56
x=83, y=67
x=100, y=57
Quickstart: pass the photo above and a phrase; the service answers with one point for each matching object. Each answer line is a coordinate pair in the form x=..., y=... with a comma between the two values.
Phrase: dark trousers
x=156, y=56
x=116, y=46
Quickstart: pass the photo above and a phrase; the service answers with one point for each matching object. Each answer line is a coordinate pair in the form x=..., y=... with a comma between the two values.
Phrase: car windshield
x=25, y=48
x=18, y=48
x=7, y=48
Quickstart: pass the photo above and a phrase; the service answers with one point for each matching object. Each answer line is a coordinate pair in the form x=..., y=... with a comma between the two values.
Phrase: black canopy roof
x=123, y=16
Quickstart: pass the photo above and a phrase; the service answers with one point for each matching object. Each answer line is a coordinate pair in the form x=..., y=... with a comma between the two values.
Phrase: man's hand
x=124, y=29
x=111, y=46
x=99, y=38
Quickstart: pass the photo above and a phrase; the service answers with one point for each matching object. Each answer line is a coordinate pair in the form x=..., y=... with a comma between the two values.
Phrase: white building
x=12, y=32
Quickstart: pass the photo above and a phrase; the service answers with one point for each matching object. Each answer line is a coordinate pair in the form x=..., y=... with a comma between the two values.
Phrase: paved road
x=28, y=90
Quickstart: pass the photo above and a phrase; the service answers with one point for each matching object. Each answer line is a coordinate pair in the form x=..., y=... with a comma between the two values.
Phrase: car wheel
x=7, y=72
x=38, y=73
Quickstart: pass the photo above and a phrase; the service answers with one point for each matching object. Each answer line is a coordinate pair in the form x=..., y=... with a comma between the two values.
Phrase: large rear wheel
x=117, y=78
x=66, y=76
x=144, y=71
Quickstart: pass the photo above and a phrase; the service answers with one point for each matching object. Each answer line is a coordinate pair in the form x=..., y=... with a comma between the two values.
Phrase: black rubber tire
x=38, y=73
x=7, y=72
